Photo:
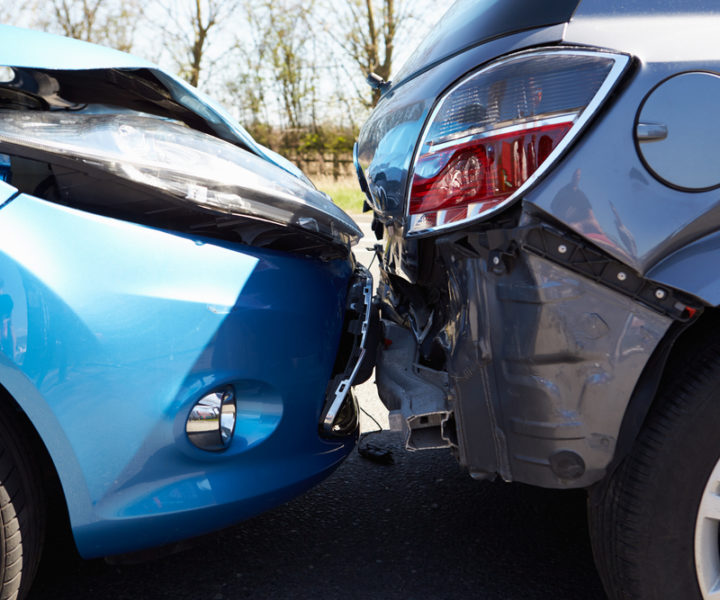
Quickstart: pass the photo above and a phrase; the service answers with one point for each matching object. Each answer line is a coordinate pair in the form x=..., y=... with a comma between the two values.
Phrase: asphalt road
x=419, y=528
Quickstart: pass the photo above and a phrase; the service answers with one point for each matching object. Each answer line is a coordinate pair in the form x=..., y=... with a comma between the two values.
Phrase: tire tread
x=22, y=507
x=618, y=507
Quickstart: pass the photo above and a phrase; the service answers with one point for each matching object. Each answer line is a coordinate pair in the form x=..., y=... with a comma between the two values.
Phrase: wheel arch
x=34, y=417
x=679, y=346
x=691, y=269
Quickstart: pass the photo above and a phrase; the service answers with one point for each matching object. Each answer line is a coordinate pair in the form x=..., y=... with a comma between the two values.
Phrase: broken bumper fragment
x=355, y=358
x=527, y=363
x=416, y=396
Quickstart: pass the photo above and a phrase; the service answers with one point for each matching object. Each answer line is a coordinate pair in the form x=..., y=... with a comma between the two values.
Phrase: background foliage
x=291, y=71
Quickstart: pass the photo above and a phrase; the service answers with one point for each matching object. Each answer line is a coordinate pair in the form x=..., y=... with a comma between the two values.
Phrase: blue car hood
x=25, y=48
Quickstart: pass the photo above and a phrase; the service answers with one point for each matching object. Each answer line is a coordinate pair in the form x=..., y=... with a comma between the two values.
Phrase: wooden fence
x=336, y=165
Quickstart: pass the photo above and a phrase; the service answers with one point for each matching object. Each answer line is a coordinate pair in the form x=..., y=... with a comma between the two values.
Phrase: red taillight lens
x=484, y=171
x=491, y=134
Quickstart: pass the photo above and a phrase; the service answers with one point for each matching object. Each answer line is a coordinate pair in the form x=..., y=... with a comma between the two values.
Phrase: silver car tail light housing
x=493, y=134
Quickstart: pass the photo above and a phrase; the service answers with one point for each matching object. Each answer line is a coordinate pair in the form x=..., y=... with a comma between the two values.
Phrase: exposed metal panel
x=541, y=362
x=567, y=353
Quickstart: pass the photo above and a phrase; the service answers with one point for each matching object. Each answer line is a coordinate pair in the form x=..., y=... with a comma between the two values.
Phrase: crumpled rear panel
x=551, y=356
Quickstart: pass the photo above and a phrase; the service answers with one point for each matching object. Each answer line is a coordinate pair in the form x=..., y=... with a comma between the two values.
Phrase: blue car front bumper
x=118, y=329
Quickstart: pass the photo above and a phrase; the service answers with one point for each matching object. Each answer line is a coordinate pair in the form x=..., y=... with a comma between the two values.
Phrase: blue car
x=181, y=315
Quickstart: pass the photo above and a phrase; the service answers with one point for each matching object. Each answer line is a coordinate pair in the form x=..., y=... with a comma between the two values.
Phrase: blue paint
x=116, y=329
x=27, y=48
x=4, y=167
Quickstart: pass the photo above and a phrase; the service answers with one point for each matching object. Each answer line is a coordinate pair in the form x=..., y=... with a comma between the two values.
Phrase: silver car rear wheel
x=655, y=520
x=707, y=548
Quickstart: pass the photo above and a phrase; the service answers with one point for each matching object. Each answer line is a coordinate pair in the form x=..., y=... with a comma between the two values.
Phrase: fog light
x=211, y=423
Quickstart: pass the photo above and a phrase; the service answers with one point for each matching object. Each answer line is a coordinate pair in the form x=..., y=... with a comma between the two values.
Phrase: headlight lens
x=494, y=133
x=180, y=163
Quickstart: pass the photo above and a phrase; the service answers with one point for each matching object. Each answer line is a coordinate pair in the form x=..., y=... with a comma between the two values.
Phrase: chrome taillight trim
x=516, y=128
x=620, y=64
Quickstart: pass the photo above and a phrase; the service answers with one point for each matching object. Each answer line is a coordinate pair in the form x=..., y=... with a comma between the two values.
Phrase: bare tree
x=100, y=21
x=247, y=87
x=288, y=37
x=190, y=28
x=16, y=13
x=277, y=61
x=367, y=31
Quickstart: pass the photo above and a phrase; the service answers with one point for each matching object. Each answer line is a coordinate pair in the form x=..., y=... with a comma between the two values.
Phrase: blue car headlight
x=177, y=162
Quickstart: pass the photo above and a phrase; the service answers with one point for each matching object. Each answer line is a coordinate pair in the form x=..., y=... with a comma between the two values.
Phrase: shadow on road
x=419, y=528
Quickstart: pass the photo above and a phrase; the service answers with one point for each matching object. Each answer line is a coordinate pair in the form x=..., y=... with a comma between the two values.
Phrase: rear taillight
x=494, y=133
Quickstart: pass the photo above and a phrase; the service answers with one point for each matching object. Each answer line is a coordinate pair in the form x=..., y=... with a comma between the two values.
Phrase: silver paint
x=542, y=362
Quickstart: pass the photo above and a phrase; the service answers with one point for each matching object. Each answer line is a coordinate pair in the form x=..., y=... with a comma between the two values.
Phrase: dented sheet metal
x=540, y=362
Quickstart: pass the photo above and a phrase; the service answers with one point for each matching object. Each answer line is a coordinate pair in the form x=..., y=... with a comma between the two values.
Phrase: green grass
x=344, y=192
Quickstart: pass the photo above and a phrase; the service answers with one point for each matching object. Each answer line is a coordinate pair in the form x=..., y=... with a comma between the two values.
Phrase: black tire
x=642, y=519
x=22, y=507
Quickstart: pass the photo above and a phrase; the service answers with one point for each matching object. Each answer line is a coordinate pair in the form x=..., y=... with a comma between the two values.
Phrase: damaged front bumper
x=521, y=353
x=355, y=358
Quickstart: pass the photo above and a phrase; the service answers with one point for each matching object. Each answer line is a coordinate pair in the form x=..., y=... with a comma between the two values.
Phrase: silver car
x=544, y=178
